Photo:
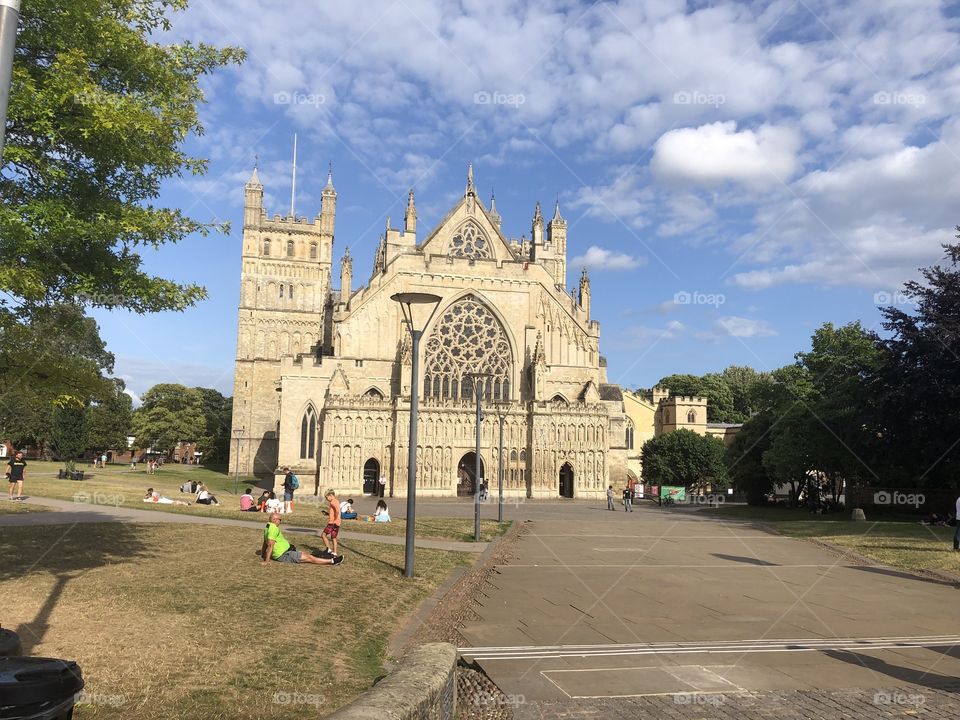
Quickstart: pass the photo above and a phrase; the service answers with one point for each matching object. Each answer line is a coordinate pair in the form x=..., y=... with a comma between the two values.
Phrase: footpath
x=65, y=512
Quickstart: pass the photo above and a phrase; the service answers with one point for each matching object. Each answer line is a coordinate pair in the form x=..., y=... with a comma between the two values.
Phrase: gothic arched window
x=289, y=248
x=308, y=433
x=467, y=339
x=628, y=440
x=313, y=251
x=692, y=417
x=470, y=242
x=266, y=247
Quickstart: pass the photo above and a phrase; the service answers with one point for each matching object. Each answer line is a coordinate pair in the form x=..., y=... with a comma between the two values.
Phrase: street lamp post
x=236, y=480
x=9, y=19
x=501, y=416
x=407, y=301
x=478, y=387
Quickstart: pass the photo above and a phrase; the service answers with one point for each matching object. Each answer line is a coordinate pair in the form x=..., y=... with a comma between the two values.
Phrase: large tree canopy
x=99, y=112
x=683, y=457
x=173, y=413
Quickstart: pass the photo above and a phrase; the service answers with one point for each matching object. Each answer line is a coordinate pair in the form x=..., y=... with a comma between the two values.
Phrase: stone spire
x=584, y=298
x=471, y=191
x=557, y=218
x=328, y=206
x=346, y=276
x=252, y=200
x=493, y=214
x=410, y=216
x=537, y=230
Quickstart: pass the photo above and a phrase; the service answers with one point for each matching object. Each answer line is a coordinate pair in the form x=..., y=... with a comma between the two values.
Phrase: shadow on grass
x=65, y=552
x=349, y=546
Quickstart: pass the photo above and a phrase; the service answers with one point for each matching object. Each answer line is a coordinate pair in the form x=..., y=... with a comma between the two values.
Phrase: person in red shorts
x=333, y=524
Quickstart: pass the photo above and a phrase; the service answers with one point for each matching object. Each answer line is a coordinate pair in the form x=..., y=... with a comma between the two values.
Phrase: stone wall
x=424, y=687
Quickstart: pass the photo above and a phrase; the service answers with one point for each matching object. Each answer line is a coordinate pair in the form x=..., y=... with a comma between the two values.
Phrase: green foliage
x=175, y=413
x=108, y=421
x=744, y=459
x=47, y=355
x=100, y=109
x=67, y=432
x=683, y=457
x=731, y=395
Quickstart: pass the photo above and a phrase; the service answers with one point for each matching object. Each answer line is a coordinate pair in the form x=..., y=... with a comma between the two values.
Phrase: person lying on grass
x=155, y=497
x=277, y=547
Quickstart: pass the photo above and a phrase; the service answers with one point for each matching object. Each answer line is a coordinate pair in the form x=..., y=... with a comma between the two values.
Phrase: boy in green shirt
x=277, y=547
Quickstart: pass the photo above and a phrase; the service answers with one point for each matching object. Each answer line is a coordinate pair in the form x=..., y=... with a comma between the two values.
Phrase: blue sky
x=733, y=174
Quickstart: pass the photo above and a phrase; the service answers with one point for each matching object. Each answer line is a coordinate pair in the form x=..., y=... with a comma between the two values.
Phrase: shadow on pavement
x=742, y=559
x=905, y=575
x=898, y=672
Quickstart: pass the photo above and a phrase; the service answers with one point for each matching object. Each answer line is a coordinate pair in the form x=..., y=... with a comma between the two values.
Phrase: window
x=468, y=339
x=470, y=242
x=692, y=417
x=313, y=251
x=628, y=440
x=289, y=248
x=308, y=434
x=281, y=291
x=266, y=247
x=290, y=292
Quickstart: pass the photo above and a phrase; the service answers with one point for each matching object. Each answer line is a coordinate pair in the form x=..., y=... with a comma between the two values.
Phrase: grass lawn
x=122, y=486
x=900, y=543
x=186, y=622
x=8, y=507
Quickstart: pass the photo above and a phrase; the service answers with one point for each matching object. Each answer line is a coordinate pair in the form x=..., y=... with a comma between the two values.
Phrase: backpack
x=294, y=482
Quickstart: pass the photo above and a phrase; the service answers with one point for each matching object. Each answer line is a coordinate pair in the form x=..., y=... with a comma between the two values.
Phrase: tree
x=67, y=435
x=218, y=415
x=921, y=391
x=169, y=414
x=744, y=459
x=48, y=355
x=745, y=384
x=108, y=420
x=683, y=457
x=100, y=108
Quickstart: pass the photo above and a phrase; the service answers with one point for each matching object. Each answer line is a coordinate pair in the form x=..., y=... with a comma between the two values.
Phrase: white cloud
x=673, y=330
x=743, y=327
x=598, y=258
x=716, y=153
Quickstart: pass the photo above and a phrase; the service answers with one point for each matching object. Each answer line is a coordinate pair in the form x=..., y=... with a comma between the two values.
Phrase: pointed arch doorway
x=566, y=480
x=467, y=482
x=371, y=476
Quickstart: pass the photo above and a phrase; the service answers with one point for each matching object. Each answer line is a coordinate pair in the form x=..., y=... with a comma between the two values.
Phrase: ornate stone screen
x=470, y=242
x=467, y=339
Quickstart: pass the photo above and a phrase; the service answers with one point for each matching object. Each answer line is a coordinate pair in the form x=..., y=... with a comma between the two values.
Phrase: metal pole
x=500, y=478
x=9, y=19
x=476, y=477
x=412, y=457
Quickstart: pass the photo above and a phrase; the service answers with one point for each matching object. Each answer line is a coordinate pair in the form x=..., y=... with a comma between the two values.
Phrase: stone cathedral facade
x=322, y=380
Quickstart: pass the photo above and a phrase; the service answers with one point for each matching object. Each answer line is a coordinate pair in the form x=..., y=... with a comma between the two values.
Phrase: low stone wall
x=424, y=687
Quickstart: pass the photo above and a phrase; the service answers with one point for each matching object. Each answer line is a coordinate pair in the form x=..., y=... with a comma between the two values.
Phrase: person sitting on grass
x=155, y=497
x=273, y=503
x=246, y=502
x=204, y=497
x=346, y=510
x=277, y=547
x=381, y=514
x=262, y=501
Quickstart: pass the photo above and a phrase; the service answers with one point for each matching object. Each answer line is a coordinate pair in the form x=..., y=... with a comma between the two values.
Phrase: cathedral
x=323, y=374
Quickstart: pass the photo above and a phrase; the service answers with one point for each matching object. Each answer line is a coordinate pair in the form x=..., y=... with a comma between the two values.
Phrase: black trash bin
x=38, y=688
x=9, y=643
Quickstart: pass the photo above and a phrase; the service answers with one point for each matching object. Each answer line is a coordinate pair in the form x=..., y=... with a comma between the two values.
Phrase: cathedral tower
x=284, y=289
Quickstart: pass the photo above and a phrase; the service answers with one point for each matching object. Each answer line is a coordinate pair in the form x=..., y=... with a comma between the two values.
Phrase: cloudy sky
x=733, y=174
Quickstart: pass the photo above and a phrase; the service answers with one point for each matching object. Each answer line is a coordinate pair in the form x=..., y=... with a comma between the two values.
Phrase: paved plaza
x=670, y=608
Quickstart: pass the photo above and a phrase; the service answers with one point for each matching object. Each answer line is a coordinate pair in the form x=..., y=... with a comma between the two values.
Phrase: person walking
x=610, y=498
x=16, y=473
x=332, y=530
x=627, y=499
x=290, y=483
